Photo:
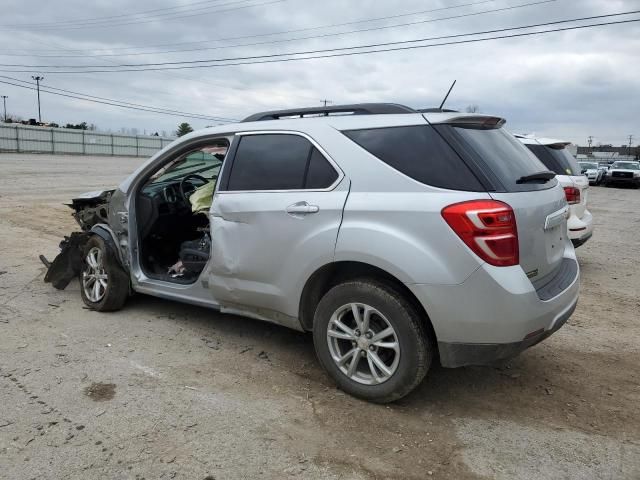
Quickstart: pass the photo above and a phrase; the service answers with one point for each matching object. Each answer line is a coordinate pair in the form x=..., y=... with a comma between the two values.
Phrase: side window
x=320, y=173
x=418, y=152
x=279, y=162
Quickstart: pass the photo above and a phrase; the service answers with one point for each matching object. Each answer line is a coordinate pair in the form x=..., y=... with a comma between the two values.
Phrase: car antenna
x=447, y=95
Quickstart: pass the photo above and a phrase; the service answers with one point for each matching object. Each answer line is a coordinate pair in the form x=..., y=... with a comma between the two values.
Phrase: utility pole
x=629, y=148
x=589, y=141
x=37, y=79
x=4, y=103
x=325, y=102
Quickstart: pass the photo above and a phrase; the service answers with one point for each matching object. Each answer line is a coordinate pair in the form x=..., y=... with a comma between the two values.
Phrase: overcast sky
x=564, y=85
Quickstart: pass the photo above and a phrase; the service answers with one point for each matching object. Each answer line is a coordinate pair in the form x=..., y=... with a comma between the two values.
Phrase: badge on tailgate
x=556, y=218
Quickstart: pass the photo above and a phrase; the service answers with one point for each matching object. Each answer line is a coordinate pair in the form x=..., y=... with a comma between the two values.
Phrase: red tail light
x=488, y=227
x=572, y=194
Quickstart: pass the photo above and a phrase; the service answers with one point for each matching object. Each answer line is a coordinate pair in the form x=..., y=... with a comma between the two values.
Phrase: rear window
x=504, y=156
x=558, y=160
x=419, y=152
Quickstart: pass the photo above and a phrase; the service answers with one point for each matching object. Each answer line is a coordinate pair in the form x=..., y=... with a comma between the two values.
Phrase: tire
x=406, y=367
x=104, y=285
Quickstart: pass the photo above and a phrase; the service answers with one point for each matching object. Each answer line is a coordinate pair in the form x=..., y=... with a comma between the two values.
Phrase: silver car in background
x=396, y=236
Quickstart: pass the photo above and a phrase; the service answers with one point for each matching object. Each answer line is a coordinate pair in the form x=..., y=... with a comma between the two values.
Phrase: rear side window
x=279, y=162
x=420, y=153
x=504, y=155
x=558, y=160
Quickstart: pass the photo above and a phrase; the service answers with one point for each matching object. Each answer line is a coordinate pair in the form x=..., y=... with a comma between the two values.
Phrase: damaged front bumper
x=91, y=212
x=68, y=263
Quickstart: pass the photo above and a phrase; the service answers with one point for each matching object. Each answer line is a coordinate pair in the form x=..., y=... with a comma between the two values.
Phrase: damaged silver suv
x=396, y=236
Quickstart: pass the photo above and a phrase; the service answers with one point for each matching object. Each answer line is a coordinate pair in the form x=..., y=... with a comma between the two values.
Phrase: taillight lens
x=488, y=228
x=572, y=194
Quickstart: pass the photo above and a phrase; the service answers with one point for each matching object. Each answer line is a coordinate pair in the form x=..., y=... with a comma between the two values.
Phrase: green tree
x=183, y=129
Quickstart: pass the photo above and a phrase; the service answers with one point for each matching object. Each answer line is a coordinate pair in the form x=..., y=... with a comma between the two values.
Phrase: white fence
x=28, y=139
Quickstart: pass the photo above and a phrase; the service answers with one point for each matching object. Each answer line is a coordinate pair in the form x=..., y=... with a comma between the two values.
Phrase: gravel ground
x=164, y=390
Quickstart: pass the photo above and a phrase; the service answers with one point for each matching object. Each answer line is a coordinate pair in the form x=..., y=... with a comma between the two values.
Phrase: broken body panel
x=90, y=210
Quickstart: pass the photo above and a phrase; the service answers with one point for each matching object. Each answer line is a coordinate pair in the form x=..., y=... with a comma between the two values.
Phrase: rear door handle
x=302, y=208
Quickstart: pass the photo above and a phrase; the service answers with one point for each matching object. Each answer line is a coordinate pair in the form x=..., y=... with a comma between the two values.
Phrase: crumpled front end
x=90, y=209
x=68, y=263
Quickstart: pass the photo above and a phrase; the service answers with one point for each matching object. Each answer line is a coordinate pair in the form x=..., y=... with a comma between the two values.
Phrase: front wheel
x=371, y=340
x=104, y=285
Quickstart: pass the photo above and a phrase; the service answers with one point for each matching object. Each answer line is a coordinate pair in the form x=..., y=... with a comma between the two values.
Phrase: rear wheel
x=104, y=285
x=371, y=341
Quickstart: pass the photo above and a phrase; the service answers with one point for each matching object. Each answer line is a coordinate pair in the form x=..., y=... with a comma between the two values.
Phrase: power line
x=151, y=19
x=242, y=37
x=342, y=51
x=325, y=35
x=82, y=20
x=123, y=105
x=166, y=110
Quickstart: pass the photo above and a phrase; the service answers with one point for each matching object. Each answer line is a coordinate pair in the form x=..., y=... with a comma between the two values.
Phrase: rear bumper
x=460, y=354
x=580, y=229
x=497, y=312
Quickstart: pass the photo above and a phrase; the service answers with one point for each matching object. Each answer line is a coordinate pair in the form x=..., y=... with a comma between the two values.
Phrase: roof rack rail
x=437, y=110
x=355, y=109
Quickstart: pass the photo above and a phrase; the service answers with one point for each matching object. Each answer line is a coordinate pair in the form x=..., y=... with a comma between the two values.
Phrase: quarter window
x=279, y=162
x=320, y=174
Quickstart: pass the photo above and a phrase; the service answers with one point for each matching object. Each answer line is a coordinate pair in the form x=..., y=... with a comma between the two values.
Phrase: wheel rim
x=363, y=344
x=94, y=276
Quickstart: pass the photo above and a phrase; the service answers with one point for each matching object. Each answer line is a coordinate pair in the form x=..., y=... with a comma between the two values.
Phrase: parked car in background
x=394, y=235
x=603, y=167
x=592, y=171
x=623, y=173
x=555, y=156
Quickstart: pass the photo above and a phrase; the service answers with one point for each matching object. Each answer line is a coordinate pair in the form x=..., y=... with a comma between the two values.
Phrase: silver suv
x=396, y=236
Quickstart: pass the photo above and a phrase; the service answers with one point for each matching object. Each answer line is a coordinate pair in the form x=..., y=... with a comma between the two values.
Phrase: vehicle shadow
x=293, y=352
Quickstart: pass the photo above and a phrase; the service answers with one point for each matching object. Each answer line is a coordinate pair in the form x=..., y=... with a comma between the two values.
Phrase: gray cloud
x=566, y=84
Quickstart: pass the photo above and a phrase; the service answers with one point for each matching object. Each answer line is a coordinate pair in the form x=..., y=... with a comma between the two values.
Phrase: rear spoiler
x=482, y=122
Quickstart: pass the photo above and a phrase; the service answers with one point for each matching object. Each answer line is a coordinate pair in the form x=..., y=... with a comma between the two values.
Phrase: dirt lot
x=164, y=390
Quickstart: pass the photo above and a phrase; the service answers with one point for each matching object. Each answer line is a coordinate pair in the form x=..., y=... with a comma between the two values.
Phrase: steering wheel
x=186, y=180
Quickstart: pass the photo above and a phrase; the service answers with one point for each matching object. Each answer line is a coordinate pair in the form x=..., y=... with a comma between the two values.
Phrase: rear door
x=539, y=205
x=274, y=220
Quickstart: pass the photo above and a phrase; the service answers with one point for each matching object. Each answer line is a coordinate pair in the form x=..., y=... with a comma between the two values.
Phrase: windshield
x=587, y=165
x=556, y=158
x=626, y=165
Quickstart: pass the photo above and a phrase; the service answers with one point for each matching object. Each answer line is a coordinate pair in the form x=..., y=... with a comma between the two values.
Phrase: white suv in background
x=554, y=155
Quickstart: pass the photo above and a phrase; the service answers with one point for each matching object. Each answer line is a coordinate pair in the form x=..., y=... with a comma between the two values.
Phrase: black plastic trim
x=560, y=281
x=581, y=241
x=227, y=165
x=453, y=355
